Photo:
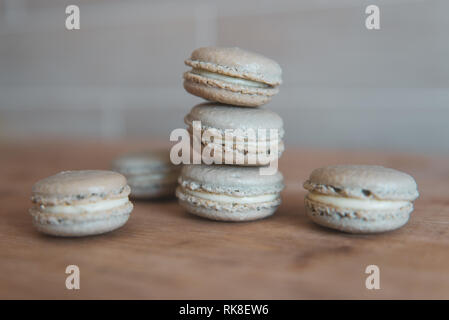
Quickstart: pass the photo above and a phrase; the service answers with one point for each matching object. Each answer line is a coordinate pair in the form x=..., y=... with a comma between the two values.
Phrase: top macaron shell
x=364, y=182
x=214, y=115
x=231, y=180
x=79, y=185
x=238, y=63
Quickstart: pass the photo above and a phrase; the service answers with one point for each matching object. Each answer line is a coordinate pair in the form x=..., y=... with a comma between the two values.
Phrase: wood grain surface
x=163, y=252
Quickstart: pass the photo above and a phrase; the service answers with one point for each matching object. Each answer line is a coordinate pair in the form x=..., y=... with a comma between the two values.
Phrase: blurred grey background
x=120, y=76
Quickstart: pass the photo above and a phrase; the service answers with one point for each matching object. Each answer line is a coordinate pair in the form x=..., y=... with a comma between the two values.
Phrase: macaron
x=80, y=203
x=360, y=198
x=232, y=76
x=229, y=193
x=150, y=174
x=250, y=136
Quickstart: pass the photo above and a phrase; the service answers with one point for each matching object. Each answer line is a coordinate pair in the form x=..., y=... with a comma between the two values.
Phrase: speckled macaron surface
x=80, y=203
x=229, y=193
x=232, y=76
x=253, y=135
x=150, y=174
x=360, y=198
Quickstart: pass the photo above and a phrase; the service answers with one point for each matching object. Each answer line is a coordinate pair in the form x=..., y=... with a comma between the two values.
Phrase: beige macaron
x=150, y=174
x=360, y=198
x=229, y=193
x=80, y=203
x=232, y=76
x=236, y=135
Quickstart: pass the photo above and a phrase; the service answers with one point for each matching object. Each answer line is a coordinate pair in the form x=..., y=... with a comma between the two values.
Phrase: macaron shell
x=220, y=116
x=360, y=181
x=357, y=221
x=205, y=91
x=79, y=198
x=231, y=180
x=78, y=226
x=83, y=229
x=213, y=213
x=236, y=62
x=225, y=207
x=77, y=185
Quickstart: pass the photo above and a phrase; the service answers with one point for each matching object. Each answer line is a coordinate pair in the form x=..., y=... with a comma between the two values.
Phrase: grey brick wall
x=121, y=74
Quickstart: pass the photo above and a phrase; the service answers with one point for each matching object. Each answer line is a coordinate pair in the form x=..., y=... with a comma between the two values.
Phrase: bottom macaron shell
x=78, y=227
x=225, y=96
x=221, y=215
x=84, y=228
x=226, y=212
x=357, y=222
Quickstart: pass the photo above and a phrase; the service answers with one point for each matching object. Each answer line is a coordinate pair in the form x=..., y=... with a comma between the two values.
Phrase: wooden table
x=163, y=252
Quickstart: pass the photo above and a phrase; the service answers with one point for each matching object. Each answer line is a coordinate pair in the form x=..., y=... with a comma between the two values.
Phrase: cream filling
x=358, y=204
x=232, y=199
x=85, y=208
x=229, y=79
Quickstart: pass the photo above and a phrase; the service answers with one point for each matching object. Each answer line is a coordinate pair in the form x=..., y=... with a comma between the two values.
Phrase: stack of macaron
x=238, y=139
